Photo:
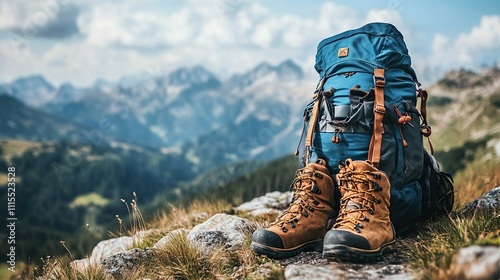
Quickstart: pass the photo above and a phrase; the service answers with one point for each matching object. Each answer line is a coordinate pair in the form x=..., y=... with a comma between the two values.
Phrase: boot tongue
x=308, y=171
x=351, y=205
x=294, y=208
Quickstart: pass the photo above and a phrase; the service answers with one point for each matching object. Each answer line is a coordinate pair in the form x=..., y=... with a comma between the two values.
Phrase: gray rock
x=120, y=265
x=299, y=272
x=220, y=230
x=488, y=203
x=165, y=239
x=311, y=265
x=111, y=247
x=348, y=271
x=264, y=211
x=310, y=258
x=268, y=203
x=102, y=250
x=477, y=262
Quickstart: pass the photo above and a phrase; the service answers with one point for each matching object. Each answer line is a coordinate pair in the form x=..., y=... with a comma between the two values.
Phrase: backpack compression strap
x=425, y=128
x=314, y=118
x=379, y=111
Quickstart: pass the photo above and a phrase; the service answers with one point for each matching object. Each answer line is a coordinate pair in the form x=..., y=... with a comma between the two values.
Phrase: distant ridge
x=18, y=121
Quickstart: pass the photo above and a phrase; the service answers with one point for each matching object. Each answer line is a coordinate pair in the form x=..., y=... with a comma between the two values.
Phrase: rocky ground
x=473, y=262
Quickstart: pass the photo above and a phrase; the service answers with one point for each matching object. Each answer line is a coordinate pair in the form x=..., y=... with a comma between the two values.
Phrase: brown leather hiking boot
x=363, y=230
x=304, y=224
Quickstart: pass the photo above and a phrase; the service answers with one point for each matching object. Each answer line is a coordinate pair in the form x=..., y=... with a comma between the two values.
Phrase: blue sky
x=80, y=41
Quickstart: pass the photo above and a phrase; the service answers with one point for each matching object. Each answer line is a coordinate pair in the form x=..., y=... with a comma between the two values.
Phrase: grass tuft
x=187, y=217
x=177, y=259
x=479, y=178
x=62, y=268
x=431, y=252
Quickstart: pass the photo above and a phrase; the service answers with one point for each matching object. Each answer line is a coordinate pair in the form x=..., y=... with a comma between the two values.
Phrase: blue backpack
x=364, y=108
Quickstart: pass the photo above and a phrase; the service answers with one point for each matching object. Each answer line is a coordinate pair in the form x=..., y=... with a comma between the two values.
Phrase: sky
x=79, y=42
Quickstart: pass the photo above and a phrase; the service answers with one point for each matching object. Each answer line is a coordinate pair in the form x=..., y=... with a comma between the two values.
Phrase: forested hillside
x=61, y=187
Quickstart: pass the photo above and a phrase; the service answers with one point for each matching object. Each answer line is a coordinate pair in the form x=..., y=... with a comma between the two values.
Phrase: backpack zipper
x=336, y=135
x=403, y=119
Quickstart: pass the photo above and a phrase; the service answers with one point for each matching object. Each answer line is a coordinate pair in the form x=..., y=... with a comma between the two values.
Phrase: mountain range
x=253, y=115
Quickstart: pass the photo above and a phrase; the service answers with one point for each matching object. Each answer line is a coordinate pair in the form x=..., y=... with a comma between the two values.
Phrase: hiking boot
x=304, y=224
x=363, y=230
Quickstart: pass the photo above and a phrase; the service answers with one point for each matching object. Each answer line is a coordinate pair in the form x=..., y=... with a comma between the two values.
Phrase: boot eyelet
x=305, y=214
x=371, y=211
x=284, y=229
x=366, y=219
x=315, y=202
x=310, y=208
x=359, y=225
x=357, y=230
x=292, y=224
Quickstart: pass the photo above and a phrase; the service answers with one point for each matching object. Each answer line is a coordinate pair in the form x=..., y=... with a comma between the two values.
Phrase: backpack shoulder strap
x=379, y=111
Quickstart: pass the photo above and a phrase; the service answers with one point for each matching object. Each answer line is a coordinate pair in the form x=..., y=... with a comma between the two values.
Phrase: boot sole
x=347, y=253
x=278, y=253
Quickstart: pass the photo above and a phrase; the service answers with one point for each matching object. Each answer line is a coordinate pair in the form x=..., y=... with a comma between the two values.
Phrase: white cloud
x=484, y=36
x=226, y=36
x=18, y=58
x=9, y=14
x=78, y=60
x=45, y=19
x=468, y=49
x=228, y=41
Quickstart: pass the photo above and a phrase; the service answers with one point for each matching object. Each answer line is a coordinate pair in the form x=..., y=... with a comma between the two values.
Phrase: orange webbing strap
x=425, y=128
x=379, y=111
x=314, y=118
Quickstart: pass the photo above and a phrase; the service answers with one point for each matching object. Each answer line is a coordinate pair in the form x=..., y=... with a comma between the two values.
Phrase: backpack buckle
x=379, y=108
x=379, y=81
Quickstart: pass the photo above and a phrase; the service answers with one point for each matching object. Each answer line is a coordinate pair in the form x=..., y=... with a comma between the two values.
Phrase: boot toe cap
x=267, y=238
x=346, y=238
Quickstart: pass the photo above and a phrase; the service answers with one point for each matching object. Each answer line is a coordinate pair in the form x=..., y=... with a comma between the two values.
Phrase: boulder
x=477, y=262
x=165, y=239
x=348, y=271
x=111, y=247
x=488, y=203
x=102, y=250
x=220, y=230
x=271, y=202
x=120, y=265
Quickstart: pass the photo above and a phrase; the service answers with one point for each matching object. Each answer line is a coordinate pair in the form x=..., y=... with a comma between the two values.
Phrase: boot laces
x=356, y=201
x=303, y=186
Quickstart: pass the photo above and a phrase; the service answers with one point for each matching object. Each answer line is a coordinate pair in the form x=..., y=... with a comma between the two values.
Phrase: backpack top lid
x=375, y=45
